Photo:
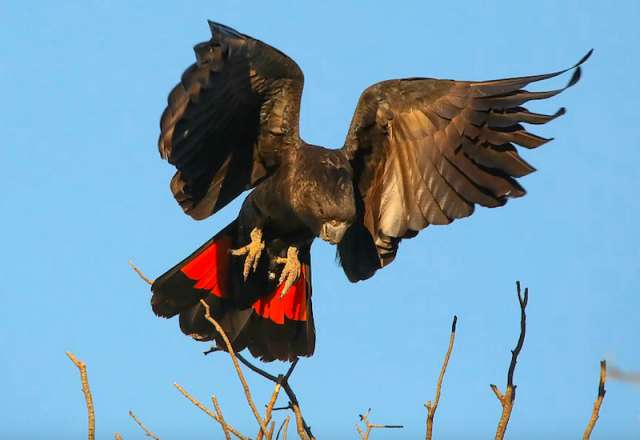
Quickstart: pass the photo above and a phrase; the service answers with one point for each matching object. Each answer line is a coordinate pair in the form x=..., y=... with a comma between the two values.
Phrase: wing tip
x=577, y=74
x=584, y=58
x=219, y=28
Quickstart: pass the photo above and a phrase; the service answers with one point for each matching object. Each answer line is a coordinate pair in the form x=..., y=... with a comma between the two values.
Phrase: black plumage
x=419, y=152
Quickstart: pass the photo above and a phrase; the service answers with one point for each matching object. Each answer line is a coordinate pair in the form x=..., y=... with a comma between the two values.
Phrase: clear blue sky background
x=83, y=85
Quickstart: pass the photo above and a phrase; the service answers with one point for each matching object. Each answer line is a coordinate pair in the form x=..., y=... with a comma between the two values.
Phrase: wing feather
x=229, y=120
x=426, y=151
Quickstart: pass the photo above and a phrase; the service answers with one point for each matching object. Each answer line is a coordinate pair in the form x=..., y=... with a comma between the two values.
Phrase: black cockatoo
x=419, y=152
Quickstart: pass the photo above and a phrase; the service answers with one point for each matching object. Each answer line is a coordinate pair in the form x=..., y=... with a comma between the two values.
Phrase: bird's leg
x=253, y=251
x=291, y=269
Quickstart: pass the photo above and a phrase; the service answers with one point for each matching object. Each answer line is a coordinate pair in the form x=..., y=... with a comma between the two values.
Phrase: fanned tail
x=253, y=314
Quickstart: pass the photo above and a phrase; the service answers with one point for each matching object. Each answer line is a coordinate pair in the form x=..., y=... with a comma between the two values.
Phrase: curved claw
x=253, y=251
x=291, y=269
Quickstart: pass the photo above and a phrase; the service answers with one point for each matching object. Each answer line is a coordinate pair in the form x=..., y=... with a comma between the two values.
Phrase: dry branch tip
x=508, y=398
x=141, y=274
x=595, y=413
x=147, y=432
x=86, y=391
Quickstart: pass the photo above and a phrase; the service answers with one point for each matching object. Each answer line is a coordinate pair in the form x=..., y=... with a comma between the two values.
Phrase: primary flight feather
x=419, y=152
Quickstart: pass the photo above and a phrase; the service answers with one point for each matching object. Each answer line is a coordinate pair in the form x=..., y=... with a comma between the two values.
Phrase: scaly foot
x=291, y=269
x=253, y=251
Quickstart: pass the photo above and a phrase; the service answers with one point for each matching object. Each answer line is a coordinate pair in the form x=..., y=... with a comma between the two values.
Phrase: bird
x=418, y=152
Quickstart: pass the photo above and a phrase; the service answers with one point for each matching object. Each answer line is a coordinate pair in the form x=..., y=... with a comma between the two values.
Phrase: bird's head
x=326, y=196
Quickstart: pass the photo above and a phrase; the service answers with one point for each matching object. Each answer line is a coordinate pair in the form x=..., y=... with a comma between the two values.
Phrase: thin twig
x=283, y=429
x=290, y=370
x=598, y=403
x=223, y=424
x=87, y=394
x=286, y=428
x=245, y=385
x=140, y=273
x=255, y=369
x=267, y=414
x=212, y=349
x=507, y=399
x=360, y=432
x=197, y=403
x=364, y=418
x=144, y=428
x=208, y=412
x=431, y=408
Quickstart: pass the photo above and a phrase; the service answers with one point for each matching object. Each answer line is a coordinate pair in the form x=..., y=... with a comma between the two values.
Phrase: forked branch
x=507, y=399
x=368, y=426
x=304, y=430
x=226, y=428
x=431, y=407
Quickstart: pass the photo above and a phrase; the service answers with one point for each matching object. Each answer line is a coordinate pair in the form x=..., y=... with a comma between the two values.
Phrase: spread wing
x=229, y=120
x=426, y=151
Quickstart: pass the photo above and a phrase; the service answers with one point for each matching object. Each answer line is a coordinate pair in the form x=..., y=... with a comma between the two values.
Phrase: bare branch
x=523, y=330
x=255, y=369
x=197, y=403
x=283, y=429
x=290, y=370
x=267, y=414
x=87, y=394
x=220, y=418
x=364, y=418
x=301, y=426
x=144, y=428
x=140, y=273
x=431, y=408
x=598, y=403
x=496, y=391
x=360, y=432
x=507, y=399
x=294, y=405
x=213, y=349
x=245, y=385
x=207, y=411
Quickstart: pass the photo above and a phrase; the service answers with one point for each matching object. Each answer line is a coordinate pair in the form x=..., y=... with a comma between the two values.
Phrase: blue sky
x=83, y=86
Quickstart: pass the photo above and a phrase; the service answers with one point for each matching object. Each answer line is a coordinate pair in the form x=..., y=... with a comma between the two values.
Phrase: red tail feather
x=293, y=305
x=271, y=326
x=210, y=269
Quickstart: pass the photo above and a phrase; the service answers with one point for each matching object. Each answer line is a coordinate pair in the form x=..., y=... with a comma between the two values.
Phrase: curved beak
x=333, y=233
